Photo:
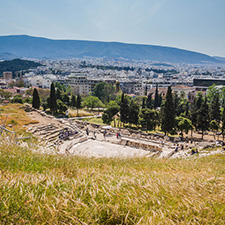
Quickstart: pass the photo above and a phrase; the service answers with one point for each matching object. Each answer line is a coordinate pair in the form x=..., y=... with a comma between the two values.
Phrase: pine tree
x=203, y=120
x=156, y=100
x=215, y=109
x=73, y=101
x=36, y=99
x=52, y=100
x=78, y=105
x=58, y=94
x=148, y=119
x=168, y=113
x=124, y=109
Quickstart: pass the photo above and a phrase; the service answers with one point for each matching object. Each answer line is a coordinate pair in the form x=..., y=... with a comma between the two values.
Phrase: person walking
x=87, y=131
x=104, y=134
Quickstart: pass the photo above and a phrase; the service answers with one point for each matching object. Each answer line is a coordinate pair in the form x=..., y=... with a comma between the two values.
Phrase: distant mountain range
x=42, y=48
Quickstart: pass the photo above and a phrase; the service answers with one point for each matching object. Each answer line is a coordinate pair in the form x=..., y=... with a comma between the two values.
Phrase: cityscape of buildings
x=136, y=78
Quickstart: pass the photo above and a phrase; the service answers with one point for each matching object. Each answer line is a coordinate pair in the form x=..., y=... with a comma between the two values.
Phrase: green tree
x=176, y=104
x=168, y=113
x=65, y=98
x=148, y=118
x=52, y=100
x=149, y=101
x=146, y=90
x=117, y=86
x=17, y=99
x=61, y=106
x=143, y=102
x=58, y=86
x=68, y=90
x=109, y=114
x=214, y=126
x=203, y=117
x=195, y=108
x=78, y=106
x=91, y=101
x=124, y=109
x=45, y=105
x=212, y=91
x=156, y=100
x=4, y=95
x=104, y=91
x=73, y=101
x=223, y=121
x=214, y=111
x=133, y=112
x=36, y=99
x=58, y=94
x=184, y=125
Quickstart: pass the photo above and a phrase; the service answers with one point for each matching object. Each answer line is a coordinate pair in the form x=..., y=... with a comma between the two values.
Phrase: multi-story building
x=7, y=75
x=80, y=84
x=131, y=87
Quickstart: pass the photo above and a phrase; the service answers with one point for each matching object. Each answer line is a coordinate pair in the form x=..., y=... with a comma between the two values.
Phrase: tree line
x=171, y=114
x=58, y=101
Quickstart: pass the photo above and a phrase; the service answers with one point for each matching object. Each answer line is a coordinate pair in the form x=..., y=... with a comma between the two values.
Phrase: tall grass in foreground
x=47, y=189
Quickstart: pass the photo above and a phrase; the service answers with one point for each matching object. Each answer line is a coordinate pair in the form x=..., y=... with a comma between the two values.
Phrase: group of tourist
x=65, y=133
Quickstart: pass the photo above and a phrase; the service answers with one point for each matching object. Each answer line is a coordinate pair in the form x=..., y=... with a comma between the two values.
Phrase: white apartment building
x=81, y=85
x=41, y=81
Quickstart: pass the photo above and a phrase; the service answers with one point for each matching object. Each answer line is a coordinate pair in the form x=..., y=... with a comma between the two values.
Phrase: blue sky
x=197, y=25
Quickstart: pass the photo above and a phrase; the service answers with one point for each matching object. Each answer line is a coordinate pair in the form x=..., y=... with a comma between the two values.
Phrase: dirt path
x=43, y=120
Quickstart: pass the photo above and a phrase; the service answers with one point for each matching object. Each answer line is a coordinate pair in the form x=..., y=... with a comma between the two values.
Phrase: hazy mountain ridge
x=221, y=59
x=36, y=47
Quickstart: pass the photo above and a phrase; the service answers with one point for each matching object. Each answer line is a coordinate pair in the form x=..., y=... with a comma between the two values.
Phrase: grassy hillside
x=52, y=189
x=37, y=189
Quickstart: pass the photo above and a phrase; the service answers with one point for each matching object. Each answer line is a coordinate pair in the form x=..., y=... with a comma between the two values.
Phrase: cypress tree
x=52, y=100
x=156, y=100
x=36, y=99
x=133, y=112
x=223, y=120
x=143, y=102
x=203, y=120
x=149, y=101
x=215, y=109
x=146, y=90
x=73, y=101
x=168, y=113
x=187, y=109
x=195, y=108
x=78, y=105
x=176, y=104
x=160, y=100
x=124, y=109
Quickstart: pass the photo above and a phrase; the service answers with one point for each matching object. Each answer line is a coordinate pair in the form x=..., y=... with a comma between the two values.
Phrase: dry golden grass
x=37, y=189
x=15, y=116
x=81, y=113
x=51, y=189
